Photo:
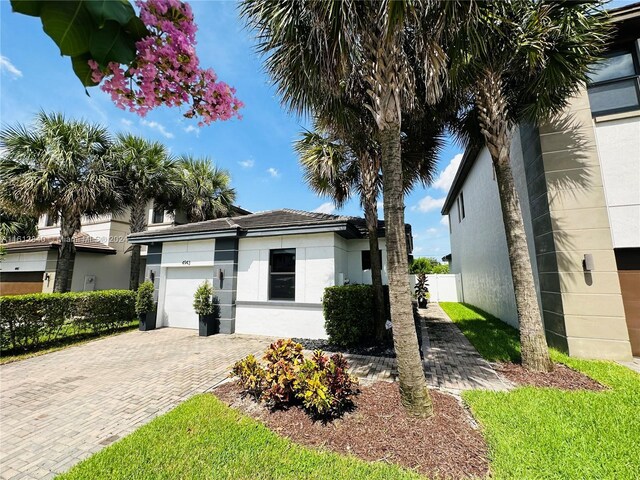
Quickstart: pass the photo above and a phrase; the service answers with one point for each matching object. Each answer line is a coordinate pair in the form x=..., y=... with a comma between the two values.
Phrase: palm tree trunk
x=66, y=254
x=533, y=344
x=413, y=386
x=137, y=224
x=371, y=217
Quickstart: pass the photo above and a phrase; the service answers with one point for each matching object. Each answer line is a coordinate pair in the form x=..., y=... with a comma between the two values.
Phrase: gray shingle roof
x=272, y=219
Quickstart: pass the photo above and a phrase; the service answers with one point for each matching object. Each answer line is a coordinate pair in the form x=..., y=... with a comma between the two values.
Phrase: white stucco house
x=269, y=269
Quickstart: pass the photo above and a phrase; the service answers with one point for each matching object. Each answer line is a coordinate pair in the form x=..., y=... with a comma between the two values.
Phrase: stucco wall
x=479, y=246
x=619, y=152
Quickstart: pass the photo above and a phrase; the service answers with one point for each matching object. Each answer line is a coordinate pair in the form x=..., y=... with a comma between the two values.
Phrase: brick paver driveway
x=59, y=408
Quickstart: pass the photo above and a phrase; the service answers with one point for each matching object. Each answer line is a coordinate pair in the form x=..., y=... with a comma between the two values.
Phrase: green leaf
x=112, y=44
x=136, y=28
x=27, y=7
x=82, y=70
x=69, y=25
x=120, y=11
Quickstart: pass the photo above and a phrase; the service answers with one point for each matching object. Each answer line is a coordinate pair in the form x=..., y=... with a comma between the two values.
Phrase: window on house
x=49, y=221
x=158, y=215
x=282, y=274
x=366, y=259
x=615, y=83
x=460, y=205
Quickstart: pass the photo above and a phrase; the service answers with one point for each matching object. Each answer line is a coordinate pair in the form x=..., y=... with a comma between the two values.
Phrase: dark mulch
x=561, y=377
x=325, y=346
x=446, y=445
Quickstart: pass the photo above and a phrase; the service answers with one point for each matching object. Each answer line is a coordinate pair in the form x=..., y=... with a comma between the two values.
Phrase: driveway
x=59, y=408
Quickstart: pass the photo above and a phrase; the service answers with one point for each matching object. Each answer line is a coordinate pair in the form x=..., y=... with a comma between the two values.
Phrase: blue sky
x=257, y=150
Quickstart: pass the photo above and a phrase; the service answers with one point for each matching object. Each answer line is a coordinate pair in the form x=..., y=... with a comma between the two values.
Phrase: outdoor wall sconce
x=587, y=262
x=152, y=276
x=221, y=275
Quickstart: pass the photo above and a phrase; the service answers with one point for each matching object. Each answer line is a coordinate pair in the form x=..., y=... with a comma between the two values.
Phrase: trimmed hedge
x=349, y=314
x=28, y=321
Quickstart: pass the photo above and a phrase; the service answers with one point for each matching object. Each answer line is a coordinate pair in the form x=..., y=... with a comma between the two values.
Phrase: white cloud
x=10, y=68
x=432, y=231
x=326, y=207
x=445, y=179
x=428, y=204
x=273, y=172
x=126, y=122
x=418, y=249
x=192, y=129
x=159, y=127
x=445, y=220
x=247, y=163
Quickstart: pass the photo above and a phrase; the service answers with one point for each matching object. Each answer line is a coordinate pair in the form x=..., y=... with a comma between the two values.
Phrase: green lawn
x=77, y=338
x=203, y=438
x=548, y=433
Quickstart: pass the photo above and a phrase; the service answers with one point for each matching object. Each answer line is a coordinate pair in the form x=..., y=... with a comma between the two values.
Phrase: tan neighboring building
x=103, y=258
x=579, y=184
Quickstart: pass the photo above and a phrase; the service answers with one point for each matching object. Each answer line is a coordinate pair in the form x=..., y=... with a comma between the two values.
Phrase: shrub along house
x=269, y=269
x=578, y=179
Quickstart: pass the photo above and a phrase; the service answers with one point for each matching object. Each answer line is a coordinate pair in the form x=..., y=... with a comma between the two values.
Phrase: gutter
x=468, y=159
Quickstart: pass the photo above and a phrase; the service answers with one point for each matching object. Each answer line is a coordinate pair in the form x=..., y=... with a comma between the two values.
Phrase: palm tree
x=341, y=158
x=389, y=47
x=147, y=173
x=16, y=224
x=204, y=191
x=60, y=168
x=523, y=69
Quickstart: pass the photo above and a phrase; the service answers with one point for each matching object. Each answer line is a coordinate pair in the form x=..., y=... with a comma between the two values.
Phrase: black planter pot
x=208, y=325
x=422, y=303
x=147, y=321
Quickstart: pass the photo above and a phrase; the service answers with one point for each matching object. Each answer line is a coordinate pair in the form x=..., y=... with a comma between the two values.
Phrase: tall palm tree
x=341, y=158
x=59, y=167
x=147, y=173
x=204, y=191
x=390, y=47
x=523, y=69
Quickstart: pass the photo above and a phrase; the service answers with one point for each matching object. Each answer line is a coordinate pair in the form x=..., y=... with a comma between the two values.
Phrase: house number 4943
x=186, y=262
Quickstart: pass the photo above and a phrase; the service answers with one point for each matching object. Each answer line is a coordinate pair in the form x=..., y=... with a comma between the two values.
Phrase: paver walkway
x=633, y=364
x=450, y=361
x=59, y=408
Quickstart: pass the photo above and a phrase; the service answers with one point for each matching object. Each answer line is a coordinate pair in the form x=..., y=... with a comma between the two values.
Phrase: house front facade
x=578, y=179
x=269, y=269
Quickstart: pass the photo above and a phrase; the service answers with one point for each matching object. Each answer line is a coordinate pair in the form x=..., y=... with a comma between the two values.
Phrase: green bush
x=27, y=321
x=320, y=384
x=203, y=299
x=349, y=314
x=144, y=298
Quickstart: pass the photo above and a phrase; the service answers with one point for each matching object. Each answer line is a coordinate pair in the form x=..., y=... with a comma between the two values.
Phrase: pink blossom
x=167, y=70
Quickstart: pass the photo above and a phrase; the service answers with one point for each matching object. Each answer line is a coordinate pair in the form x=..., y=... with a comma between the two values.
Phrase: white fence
x=443, y=288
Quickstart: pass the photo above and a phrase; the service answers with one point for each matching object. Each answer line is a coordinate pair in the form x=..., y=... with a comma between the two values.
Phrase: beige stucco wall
x=591, y=302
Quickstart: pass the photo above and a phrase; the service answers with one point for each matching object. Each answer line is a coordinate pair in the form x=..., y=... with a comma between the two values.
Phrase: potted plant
x=422, y=290
x=206, y=307
x=145, y=307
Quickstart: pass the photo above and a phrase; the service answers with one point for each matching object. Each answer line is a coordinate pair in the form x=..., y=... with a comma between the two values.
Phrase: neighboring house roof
x=273, y=222
x=82, y=241
x=627, y=17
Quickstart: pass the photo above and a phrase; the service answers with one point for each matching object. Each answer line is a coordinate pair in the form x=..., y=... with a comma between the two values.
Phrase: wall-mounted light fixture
x=221, y=275
x=152, y=276
x=587, y=262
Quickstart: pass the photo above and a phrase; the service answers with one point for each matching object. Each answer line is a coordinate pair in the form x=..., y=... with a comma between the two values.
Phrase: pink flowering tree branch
x=142, y=61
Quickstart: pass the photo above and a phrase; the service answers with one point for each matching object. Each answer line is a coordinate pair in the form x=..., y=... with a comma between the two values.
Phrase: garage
x=181, y=284
x=19, y=283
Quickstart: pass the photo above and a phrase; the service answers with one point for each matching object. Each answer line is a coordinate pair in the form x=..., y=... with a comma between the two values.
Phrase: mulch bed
x=561, y=377
x=447, y=445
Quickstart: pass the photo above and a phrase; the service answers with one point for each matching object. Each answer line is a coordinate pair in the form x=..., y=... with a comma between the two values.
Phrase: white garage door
x=178, y=299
